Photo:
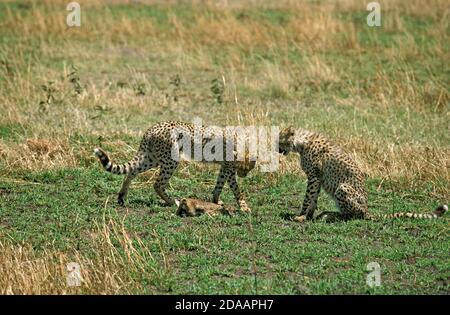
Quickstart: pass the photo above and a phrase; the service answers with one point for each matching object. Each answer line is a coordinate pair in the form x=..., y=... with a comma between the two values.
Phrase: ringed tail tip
x=441, y=210
x=103, y=158
x=98, y=152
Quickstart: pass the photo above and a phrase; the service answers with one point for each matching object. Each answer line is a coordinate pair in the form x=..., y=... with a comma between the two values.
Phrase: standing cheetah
x=328, y=167
x=156, y=149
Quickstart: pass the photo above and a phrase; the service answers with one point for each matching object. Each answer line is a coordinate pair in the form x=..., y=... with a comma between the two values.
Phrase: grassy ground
x=382, y=93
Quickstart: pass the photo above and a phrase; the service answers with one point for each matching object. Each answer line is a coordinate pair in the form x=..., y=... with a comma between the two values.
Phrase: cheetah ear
x=289, y=131
x=177, y=202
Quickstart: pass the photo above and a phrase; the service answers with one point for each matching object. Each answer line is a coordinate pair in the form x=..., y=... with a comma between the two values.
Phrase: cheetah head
x=184, y=209
x=286, y=140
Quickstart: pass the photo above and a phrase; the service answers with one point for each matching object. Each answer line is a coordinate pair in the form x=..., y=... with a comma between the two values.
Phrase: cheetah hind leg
x=349, y=203
x=348, y=206
x=143, y=165
x=124, y=190
x=330, y=216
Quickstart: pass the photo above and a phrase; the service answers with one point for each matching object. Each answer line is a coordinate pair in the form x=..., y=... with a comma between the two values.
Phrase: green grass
x=381, y=93
x=215, y=255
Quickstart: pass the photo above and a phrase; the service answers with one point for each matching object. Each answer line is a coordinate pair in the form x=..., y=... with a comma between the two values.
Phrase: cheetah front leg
x=310, y=201
x=228, y=174
x=221, y=179
x=238, y=194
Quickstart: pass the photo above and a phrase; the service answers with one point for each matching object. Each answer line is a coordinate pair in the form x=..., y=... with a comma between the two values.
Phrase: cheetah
x=156, y=150
x=194, y=207
x=328, y=167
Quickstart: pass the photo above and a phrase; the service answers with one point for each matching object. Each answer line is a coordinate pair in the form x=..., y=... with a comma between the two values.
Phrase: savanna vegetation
x=382, y=93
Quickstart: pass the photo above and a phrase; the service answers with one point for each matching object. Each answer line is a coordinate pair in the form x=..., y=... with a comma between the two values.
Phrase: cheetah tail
x=118, y=169
x=439, y=211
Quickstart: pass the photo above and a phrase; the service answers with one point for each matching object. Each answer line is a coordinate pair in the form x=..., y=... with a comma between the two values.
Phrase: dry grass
x=381, y=93
x=116, y=264
x=38, y=154
x=226, y=40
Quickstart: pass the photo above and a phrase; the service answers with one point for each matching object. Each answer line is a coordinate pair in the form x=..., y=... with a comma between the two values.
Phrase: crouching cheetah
x=157, y=148
x=191, y=207
x=327, y=166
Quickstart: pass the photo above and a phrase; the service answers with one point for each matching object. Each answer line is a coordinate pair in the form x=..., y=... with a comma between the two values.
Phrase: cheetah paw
x=299, y=218
x=167, y=204
x=244, y=208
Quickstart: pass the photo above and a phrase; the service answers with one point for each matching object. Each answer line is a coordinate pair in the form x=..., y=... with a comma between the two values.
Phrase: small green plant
x=50, y=91
x=6, y=67
x=74, y=79
x=139, y=89
x=218, y=88
x=101, y=110
x=121, y=84
x=175, y=82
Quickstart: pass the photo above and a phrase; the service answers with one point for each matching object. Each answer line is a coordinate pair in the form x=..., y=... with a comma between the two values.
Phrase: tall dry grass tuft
x=115, y=264
x=37, y=154
x=405, y=91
